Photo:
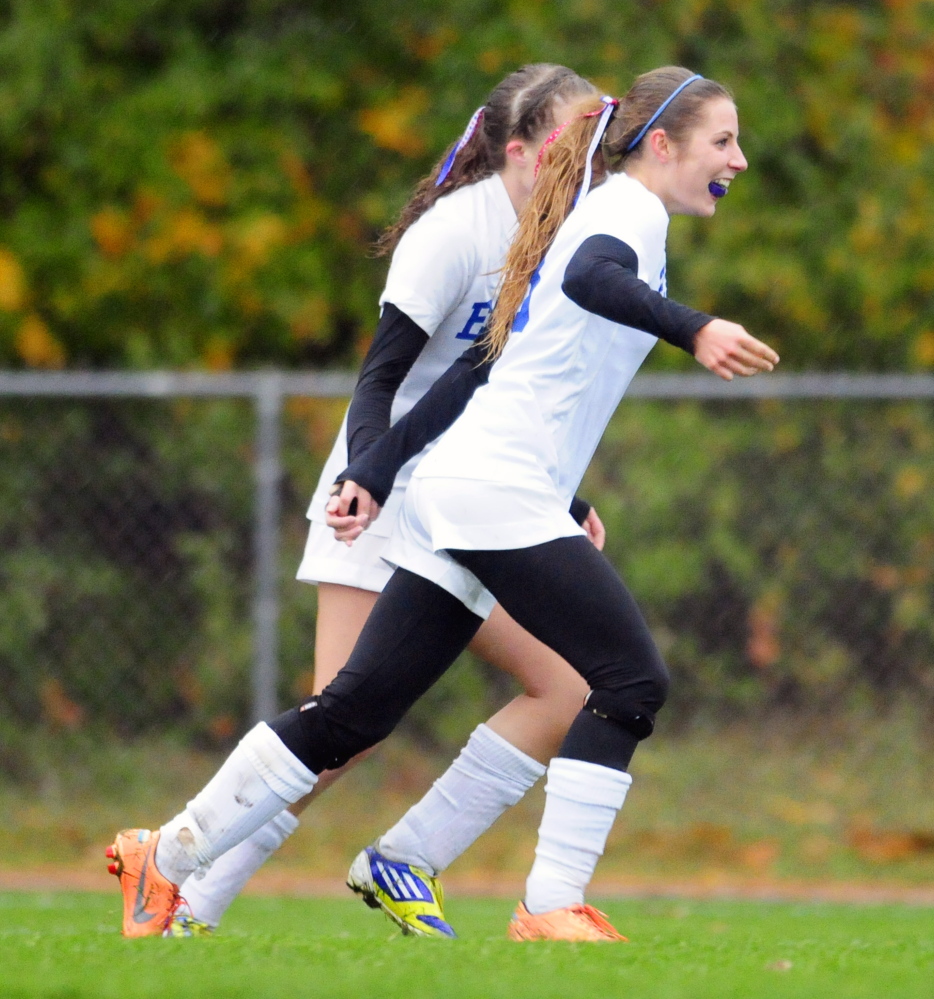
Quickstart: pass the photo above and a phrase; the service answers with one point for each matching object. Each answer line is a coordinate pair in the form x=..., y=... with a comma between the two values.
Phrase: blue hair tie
x=635, y=142
x=472, y=126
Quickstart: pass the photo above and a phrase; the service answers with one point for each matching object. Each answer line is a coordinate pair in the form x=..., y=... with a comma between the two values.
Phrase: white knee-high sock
x=209, y=897
x=259, y=779
x=581, y=803
x=488, y=776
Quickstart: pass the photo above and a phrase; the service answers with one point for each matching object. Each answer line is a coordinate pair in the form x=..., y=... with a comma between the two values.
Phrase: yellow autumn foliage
x=259, y=236
x=12, y=282
x=201, y=163
x=310, y=319
x=218, y=354
x=36, y=345
x=392, y=125
x=112, y=231
x=184, y=233
x=924, y=348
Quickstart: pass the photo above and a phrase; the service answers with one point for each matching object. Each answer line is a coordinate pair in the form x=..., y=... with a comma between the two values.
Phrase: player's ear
x=517, y=152
x=661, y=144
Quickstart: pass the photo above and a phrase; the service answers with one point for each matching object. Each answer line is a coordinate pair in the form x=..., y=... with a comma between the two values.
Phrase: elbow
x=575, y=287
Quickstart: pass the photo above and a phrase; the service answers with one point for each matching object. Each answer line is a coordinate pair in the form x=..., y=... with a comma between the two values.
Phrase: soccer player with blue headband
x=446, y=251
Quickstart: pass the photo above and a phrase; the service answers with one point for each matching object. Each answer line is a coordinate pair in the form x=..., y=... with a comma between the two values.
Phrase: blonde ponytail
x=560, y=173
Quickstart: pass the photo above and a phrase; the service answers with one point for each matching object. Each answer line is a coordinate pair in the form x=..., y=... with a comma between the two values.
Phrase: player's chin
x=703, y=208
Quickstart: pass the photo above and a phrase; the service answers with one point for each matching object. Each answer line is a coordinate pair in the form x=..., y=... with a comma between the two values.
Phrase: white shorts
x=411, y=548
x=369, y=562
x=474, y=515
x=327, y=560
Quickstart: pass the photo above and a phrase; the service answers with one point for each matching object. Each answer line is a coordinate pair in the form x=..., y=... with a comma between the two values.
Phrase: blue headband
x=635, y=142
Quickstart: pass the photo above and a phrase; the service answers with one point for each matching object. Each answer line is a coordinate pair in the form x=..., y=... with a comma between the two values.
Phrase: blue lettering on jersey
x=478, y=317
x=663, y=282
x=522, y=316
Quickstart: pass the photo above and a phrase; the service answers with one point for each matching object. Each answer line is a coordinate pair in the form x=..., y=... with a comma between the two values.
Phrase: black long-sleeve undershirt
x=397, y=342
x=602, y=277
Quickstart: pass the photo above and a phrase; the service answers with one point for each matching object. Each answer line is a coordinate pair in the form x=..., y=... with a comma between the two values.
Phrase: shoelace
x=599, y=919
x=176, y=905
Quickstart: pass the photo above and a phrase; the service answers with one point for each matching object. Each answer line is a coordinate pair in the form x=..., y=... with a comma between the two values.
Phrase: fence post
x=268, y=474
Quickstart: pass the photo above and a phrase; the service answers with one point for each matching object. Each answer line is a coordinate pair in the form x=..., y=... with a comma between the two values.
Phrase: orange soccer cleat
x=574, y=922
x=149, y=899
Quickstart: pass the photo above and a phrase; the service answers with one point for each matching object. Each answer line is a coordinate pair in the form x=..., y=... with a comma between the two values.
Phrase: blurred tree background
x=197, y=184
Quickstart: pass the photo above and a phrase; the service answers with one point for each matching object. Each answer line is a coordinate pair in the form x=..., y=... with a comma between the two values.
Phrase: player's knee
x=634, y=704
x=321, y=738
x=620, y=708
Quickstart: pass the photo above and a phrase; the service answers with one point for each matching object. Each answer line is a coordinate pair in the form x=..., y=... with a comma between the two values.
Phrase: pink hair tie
x=551, y=138
x=608, y=104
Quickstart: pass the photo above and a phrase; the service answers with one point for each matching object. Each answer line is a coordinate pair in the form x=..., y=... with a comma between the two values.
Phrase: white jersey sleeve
x=638, y=221
x=432, y=269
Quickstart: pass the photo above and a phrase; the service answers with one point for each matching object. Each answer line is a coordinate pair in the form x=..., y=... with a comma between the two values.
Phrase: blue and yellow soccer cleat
x=184, y=925
x=410, y=897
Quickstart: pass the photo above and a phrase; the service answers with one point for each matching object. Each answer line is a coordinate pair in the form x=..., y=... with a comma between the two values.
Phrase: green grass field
x=68, y=946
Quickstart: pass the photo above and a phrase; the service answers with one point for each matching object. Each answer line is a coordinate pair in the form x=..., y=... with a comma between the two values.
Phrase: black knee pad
x=635, y=718
x=305, y=732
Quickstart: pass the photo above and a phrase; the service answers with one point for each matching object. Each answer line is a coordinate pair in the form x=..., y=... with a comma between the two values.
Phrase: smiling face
x=691, y=175
x=703, y=165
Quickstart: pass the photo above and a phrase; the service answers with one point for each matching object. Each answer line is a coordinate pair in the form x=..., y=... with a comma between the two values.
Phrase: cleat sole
x=364, y=894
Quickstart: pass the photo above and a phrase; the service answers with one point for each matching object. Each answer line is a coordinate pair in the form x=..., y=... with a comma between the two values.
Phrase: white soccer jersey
x=443, y=276
x=534, y=427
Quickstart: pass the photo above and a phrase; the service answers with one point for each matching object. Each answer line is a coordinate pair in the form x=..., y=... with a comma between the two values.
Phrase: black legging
x=564, y=592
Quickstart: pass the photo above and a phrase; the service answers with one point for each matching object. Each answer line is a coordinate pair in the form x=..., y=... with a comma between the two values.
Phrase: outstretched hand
x=350, y=511
x=726, y=349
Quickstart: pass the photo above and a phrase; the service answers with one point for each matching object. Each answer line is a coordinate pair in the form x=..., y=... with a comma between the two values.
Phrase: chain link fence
x=778, y=532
